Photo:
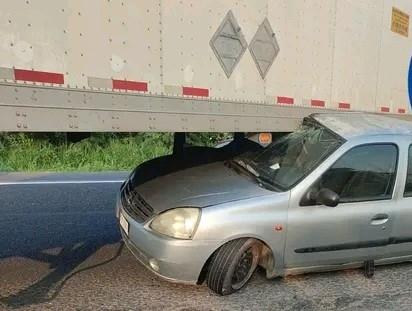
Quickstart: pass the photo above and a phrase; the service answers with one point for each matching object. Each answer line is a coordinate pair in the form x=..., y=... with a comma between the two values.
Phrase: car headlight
x=179, y=223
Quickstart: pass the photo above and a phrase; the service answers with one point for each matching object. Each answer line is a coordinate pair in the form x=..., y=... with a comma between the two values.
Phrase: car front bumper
x=176, y=260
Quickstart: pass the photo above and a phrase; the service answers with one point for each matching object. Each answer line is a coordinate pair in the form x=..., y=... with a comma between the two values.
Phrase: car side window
x=364, y=173
x=408, y=185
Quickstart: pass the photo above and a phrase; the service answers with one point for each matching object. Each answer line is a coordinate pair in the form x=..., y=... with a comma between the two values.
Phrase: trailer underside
x=32, y=108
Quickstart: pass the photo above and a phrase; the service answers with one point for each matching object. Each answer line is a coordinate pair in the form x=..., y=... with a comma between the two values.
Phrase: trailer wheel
x=232, y=265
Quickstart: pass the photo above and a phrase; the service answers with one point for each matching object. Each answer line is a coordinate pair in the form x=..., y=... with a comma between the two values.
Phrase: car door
x=359, y=227
x=401, y=238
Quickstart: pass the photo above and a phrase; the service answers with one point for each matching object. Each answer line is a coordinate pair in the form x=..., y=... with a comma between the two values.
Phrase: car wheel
x=232, y=265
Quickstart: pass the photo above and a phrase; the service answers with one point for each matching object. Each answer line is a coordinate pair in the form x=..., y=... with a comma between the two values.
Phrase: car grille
x=135, y=205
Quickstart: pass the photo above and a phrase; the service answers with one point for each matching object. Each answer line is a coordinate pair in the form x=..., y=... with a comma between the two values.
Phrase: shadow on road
x=60, y=225
x=66, y=264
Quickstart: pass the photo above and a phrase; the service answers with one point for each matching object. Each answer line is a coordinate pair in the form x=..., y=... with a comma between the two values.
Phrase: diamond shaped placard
x=264, y=48
x=228, y=43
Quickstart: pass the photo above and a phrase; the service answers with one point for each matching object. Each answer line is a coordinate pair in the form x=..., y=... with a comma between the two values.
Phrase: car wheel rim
x=244, y=269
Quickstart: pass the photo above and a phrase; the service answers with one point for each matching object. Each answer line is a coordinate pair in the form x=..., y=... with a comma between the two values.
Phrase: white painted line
x=60, y=182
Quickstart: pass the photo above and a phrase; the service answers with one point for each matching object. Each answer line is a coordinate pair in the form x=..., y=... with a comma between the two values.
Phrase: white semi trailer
x=190, y=65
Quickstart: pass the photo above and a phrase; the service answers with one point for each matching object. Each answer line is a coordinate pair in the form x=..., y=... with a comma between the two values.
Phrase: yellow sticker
x=400, y=22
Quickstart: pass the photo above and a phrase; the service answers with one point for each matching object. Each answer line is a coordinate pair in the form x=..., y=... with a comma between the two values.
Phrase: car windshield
x=285, y=162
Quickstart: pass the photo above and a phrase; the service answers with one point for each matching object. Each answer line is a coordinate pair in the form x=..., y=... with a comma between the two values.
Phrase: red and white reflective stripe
x=31, y=76
x=195, y=91
x=38, y=76
x=186, y=91
x=317, y=103
x=344, y=105
x=125, y=85
x=129, y=85
x=385, y=109
x=285, y=100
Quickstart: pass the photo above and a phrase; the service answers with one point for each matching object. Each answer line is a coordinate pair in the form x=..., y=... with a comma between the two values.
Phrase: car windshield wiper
x=239, y=165
x=247, y=167
x=262, y=181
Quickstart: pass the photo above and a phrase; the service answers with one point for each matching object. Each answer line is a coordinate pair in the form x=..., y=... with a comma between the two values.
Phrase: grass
x=100, y=152
x=29, y=152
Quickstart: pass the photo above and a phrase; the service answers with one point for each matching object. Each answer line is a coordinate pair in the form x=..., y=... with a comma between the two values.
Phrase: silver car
x=336, y=193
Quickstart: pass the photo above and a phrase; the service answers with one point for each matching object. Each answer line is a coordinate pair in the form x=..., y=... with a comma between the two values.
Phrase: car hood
x=199, y=186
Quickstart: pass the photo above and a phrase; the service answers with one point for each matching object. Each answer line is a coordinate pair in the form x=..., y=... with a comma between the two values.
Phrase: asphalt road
x=60, y=249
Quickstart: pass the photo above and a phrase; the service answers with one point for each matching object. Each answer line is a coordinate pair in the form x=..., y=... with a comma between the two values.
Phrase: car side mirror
x=327, y=197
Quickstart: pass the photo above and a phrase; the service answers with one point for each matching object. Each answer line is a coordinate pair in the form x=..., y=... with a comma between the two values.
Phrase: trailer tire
x=232, y=265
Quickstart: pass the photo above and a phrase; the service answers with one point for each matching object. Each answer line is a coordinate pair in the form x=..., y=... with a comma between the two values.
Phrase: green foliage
x=206, y=139
x=101, y=151
x=30, y=152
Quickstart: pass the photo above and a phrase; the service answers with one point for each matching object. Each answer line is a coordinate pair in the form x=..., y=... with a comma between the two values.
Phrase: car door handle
x=379, y=219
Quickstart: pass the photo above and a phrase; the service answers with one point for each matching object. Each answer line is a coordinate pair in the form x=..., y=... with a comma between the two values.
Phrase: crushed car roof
x=351, y=124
